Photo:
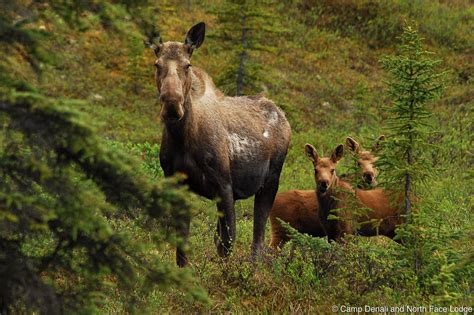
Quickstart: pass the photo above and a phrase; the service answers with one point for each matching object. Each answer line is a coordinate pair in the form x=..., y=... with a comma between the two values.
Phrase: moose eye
x=332, y=171
x=186, y=67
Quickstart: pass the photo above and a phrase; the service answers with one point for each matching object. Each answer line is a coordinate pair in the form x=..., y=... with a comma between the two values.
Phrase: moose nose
x=171, y=106
x=171, y=99
x=368, y=177
x=323, y=186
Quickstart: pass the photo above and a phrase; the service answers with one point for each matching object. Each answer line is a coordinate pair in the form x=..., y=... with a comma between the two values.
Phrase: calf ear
x=337, y=154
x=352, y=145
x=378, y=144
x=154, y=42
x=195, y=37
x=311, y=152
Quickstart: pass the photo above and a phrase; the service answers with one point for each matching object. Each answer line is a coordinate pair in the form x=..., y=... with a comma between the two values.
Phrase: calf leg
x=279, y=235
x=262, y=205
x=225, y=235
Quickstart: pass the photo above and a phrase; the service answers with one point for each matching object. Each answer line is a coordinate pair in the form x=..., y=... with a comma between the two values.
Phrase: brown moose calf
x=308, y=211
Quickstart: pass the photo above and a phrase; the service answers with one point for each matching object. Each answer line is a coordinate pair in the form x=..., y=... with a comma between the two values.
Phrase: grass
x=330, y=85
x=372, y=271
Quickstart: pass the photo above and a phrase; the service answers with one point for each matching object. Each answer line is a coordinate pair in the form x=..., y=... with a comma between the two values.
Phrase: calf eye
x=186, y=67
x=332, y=171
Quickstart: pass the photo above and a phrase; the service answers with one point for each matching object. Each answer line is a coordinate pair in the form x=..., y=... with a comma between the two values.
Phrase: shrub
x=350, y=272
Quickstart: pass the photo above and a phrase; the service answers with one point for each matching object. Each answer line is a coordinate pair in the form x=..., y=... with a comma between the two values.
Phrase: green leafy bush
x=148, y=153
x=351, y=272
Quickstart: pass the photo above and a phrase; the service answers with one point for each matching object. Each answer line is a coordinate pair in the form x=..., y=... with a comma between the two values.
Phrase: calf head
x=173, y=71
x=324, y=167
x=366, y=160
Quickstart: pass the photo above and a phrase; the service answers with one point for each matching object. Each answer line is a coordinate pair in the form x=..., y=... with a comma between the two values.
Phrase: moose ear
x=154, y=42
x=311, y=152
x=352, y=145
x=378, y=144
x=195, y=37
x=338, y=153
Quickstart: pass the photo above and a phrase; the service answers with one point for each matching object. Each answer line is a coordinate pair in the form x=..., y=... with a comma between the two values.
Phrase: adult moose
x=230, y=148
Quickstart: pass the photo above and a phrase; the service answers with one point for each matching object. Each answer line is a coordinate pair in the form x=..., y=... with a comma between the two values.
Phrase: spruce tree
x=63, y=191
x=413, y=83
x=247, y=28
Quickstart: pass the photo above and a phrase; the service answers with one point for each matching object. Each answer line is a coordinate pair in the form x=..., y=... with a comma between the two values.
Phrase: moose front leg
x=225, y=236
x=182, y=232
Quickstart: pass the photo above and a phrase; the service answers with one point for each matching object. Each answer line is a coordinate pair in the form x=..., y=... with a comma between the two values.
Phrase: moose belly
x=248, y=177
x=201, y=186
x=196, y=179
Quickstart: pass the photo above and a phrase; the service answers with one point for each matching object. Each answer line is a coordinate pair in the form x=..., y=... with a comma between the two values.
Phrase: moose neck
x=202, y=93
x=180, y=129
x=329, y=200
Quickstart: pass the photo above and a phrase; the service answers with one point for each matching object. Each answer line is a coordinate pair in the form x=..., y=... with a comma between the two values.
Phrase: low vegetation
x=85, y=211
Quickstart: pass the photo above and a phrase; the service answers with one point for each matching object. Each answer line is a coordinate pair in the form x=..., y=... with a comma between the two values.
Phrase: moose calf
x=307, y=211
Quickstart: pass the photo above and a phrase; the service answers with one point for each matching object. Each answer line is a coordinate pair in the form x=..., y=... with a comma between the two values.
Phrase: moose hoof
x=222, y=250
x=181, y=260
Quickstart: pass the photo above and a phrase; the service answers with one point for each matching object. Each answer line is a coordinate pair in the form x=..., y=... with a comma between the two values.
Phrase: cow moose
x=307, y=211
x=229, y=148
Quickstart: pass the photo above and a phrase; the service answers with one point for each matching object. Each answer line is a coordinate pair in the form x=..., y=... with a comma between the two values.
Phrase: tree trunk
x=409, y=156
x=408, y=178
x=242, y=58
x=407, y=195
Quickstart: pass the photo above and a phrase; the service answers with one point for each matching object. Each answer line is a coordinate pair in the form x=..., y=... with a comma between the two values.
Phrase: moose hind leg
x=262, y=205
x=225, y=236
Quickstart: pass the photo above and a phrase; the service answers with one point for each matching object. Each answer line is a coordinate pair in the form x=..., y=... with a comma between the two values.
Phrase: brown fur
x=366, y=161
x=230, y=148
x=307, y=210
x=300, y=209
x=383, y=210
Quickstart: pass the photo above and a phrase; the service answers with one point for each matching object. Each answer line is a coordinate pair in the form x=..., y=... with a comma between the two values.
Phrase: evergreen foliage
x=323, y=72
x=63, y=193
x=413, y=83
x=247, y=28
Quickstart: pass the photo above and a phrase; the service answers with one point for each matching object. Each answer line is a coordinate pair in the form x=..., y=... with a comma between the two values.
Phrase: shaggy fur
x=229, y=148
